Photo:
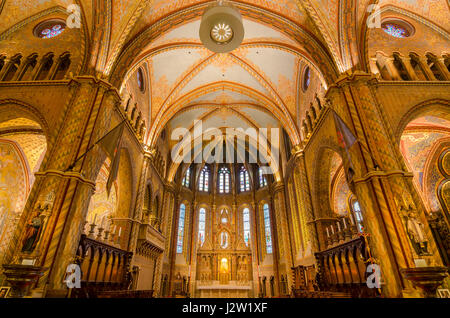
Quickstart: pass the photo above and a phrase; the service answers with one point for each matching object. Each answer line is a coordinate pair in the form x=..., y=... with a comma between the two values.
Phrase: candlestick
x=332, y=230
x=338, y=226
x=105, y=238
x=345, y=223
x=328, y=233
x=120, y=231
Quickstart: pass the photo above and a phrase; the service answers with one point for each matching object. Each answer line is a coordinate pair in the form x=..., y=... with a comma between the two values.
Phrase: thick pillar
x=59, y=199
x=305, y=193
x=283, y=261
x=381, y=183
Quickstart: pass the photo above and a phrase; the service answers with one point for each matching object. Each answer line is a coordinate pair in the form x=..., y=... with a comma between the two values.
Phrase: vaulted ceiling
x=258, y=84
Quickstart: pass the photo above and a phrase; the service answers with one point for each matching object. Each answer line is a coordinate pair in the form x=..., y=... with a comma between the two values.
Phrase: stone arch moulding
x=55, y=12
x=400, y=14
x=117, y=74
x=435, y=107
x=27, y=109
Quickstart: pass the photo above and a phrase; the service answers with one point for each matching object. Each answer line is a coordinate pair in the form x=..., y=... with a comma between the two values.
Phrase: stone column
x=282, y=233
x=138, y=208
x=406, y=62
x=60, y=196
x=388, y=61
x=426, y=68
x=380, y=182
x=171, y=237
x=440, y=64
x=305, y=193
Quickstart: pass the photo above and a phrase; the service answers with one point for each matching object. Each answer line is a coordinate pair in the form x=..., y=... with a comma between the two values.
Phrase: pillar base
x=22, y=277
x=428, y=279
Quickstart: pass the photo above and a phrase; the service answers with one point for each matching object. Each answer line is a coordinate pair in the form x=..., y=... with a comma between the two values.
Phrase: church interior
x=105, y=194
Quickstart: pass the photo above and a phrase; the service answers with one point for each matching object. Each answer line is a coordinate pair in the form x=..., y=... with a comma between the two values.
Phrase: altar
x=234, y=289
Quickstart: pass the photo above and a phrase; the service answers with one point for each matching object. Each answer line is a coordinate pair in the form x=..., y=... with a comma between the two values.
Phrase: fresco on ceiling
x=18, y=9
x=329, y=9
x=287, y=8
x=13, y=189
x=185, y=75
x=335, y=163
x=101, y=206
x=416, y=147
x=433, y=179
x=429, y=121
x=340, y=194
x=434, y=10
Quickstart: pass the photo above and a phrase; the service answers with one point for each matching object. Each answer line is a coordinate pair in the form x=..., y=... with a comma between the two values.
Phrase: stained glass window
x=201, y=225
x=358, y=215
x=224, y=239
x=51, y=31
x=181, y=229
x=395, y=30
x=224, y=180
x=262, y=178
x=306, y=78
x=224, y=216
x=140, y=80
x=203, y=182
x=244, y=180
x=268, y=232
x=187, y=178
x=246, y=223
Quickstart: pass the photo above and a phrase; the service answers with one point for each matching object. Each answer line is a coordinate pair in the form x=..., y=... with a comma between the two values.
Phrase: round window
x=49, y=29
x=397, y=28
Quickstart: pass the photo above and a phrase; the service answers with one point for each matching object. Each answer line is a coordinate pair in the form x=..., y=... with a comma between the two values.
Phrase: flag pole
x=70, y=168
x=376, y=166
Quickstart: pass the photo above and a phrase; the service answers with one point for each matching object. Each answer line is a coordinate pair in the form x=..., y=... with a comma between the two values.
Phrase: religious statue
x=33, y=231
x=416, y=234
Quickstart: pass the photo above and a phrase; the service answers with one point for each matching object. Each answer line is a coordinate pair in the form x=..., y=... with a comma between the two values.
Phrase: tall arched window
x=187, y=178
x=181, y=228
x=244, y=179
x=203, y=182
x=358, y=215
x=201, y=226
x=246, y=223
x=267, y=230
x=262, y=178
x=224, y=180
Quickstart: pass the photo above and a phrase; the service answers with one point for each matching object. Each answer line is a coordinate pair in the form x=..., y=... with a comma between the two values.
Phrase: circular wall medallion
x=221, y=29
x=397, y=28
x=49, y=29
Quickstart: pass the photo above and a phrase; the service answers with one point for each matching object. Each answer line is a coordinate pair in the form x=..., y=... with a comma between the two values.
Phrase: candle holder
x=112, y=240
x=335, y=238
x=341, y=236
x=348, y=233
x=99, y=233
x=106, y=235
x=85, y=230
x=92, y=230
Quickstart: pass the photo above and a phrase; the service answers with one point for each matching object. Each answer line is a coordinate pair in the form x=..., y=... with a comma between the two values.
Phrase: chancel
x=224, y=149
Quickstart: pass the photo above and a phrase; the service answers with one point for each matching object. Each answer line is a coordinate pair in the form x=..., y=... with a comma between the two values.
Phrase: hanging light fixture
x=221, y=29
